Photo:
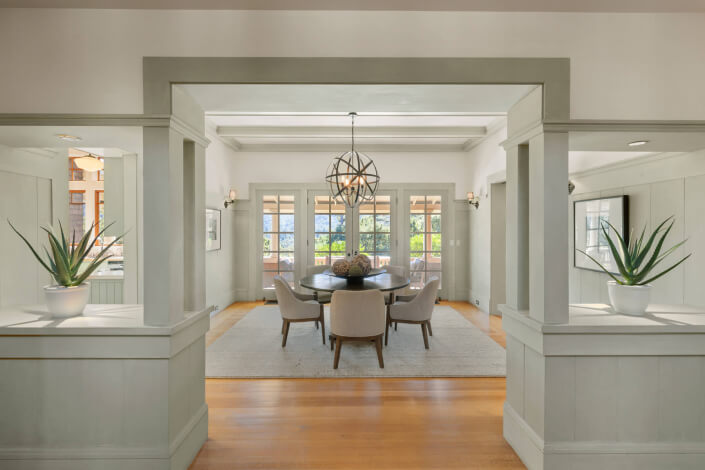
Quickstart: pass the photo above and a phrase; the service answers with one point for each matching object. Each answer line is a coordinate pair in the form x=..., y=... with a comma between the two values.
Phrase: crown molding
x=48, y=119
x=187, y=130
x=599, y=125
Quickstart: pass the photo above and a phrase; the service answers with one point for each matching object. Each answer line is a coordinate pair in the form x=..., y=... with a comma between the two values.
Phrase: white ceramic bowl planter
x=629, y=300
x=67, y=301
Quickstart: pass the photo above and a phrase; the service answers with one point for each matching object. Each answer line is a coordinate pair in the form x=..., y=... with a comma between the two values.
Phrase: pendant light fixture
x=352, y=176
x=89, y=163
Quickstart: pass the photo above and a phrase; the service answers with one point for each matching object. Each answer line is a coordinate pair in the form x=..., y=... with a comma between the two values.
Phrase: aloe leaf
x=88, y=250
x=62, y=272
x=82, y=249
x=602, y=267
x=624, y=248
x=34, y=252
x=666, y=271
x=615, y=254
x=654, y=258
x=649, y=243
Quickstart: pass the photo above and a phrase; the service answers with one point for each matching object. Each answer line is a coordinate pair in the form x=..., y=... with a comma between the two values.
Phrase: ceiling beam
x=466, y=132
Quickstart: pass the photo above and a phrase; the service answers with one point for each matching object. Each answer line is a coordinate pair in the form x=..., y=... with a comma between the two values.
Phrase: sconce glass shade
x=471, y=196
x=89, y=163
x=230, y=198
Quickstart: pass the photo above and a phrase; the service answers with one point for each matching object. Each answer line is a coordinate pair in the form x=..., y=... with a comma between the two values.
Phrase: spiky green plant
x=65, y=259
x=632, y=257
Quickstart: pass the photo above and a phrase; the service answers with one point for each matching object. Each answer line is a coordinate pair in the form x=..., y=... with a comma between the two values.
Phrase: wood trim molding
x=127, y=120
x=160, y=73
x=188, y=131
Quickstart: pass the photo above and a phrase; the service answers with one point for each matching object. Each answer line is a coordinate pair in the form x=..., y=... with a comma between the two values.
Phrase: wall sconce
x=571, y=187
x=473, y=199
x=230, y=198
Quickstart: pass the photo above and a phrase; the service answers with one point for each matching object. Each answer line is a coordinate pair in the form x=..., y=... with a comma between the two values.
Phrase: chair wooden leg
x=428, y=325
x=386, y=330
x=395, y=326
x=286, y=332
x=332, y=341
x=283, y=323
x=323, y=326
x=378, y=345
x=316, y=324
x=338, y=345
x=425, y=335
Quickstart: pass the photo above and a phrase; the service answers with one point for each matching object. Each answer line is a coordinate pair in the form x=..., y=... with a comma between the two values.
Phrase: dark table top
x=326, y=283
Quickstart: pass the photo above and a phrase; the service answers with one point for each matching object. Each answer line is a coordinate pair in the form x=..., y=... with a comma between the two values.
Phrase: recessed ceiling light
x=637, y=143
x=68, y=137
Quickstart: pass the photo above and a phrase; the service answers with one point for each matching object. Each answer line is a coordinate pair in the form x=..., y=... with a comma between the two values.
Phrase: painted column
x=548, y=227
x=194, y=226
x=518, y=227
x=163, y=202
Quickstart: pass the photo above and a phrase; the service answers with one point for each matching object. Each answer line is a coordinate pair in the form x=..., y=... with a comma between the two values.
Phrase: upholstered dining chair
x=416, y=310
x=295, y=307
x=322, y=297
x=357, y=316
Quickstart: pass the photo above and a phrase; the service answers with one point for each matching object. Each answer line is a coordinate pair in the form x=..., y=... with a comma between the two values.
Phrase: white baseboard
x=589, y=455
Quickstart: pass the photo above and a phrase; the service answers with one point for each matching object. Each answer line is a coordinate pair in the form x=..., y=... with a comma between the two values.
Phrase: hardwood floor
x=354, y=423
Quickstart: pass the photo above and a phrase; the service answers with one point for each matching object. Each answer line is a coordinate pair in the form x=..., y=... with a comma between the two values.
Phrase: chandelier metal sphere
x=353, y=175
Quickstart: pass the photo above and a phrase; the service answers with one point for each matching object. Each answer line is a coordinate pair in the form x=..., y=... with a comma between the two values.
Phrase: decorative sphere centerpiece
x=354, y=270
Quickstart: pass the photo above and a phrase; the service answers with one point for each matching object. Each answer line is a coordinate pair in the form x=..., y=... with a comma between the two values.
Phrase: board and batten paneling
x=106, y=291
x=26, y=201
x=679, y=194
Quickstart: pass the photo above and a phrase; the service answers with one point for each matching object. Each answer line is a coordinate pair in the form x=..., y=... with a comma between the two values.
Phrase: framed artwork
x=588, y=217
x=212, y=229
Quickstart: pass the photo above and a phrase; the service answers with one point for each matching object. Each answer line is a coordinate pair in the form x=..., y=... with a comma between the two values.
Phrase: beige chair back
x=357, y=314
x=396, y=270
x=289, y=306
x=421, y=307
x=316, y=269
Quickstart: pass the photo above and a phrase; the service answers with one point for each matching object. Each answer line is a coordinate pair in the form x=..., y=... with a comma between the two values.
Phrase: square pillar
x=163, y=202
x=194, y=226
x=518, y=227
x=548, y=227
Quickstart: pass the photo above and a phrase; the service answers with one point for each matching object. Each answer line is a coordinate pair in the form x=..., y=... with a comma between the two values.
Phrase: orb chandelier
x=353, y=175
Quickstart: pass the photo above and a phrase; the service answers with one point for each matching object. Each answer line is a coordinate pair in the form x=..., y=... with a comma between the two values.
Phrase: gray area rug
x=252, y=348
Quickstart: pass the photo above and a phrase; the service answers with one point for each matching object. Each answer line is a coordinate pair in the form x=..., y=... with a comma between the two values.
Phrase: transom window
x=424, y=239
x=329, y=230
x=279, y=239
x=375, y=230
x=75, y=173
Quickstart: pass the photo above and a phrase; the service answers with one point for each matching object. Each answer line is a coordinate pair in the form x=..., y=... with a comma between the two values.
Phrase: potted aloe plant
x=636, y=259
x=64, y=261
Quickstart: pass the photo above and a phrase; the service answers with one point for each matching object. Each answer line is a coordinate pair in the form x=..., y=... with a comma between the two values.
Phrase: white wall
x=221, y=266
x=33, y=193
x=486, y=159
x=310, y=167
x=623, y=66
x=658, y=187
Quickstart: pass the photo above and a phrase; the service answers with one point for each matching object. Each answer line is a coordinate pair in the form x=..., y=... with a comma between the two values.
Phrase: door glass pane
x=329, y=242
x=375, y=230
x=278, y=238
x=425, y=238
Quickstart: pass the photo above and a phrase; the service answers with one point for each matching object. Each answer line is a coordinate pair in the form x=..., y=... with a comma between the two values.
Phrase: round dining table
x=326, y=283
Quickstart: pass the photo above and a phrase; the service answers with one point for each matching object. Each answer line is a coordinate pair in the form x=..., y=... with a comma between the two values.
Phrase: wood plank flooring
x=353, y=423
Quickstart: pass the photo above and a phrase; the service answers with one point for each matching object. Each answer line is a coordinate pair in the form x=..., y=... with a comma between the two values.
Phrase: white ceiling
x=402, y=5
x=129, y=139
x=390, y=117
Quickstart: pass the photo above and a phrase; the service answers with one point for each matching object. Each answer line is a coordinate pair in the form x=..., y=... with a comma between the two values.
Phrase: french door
x=338, y=232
